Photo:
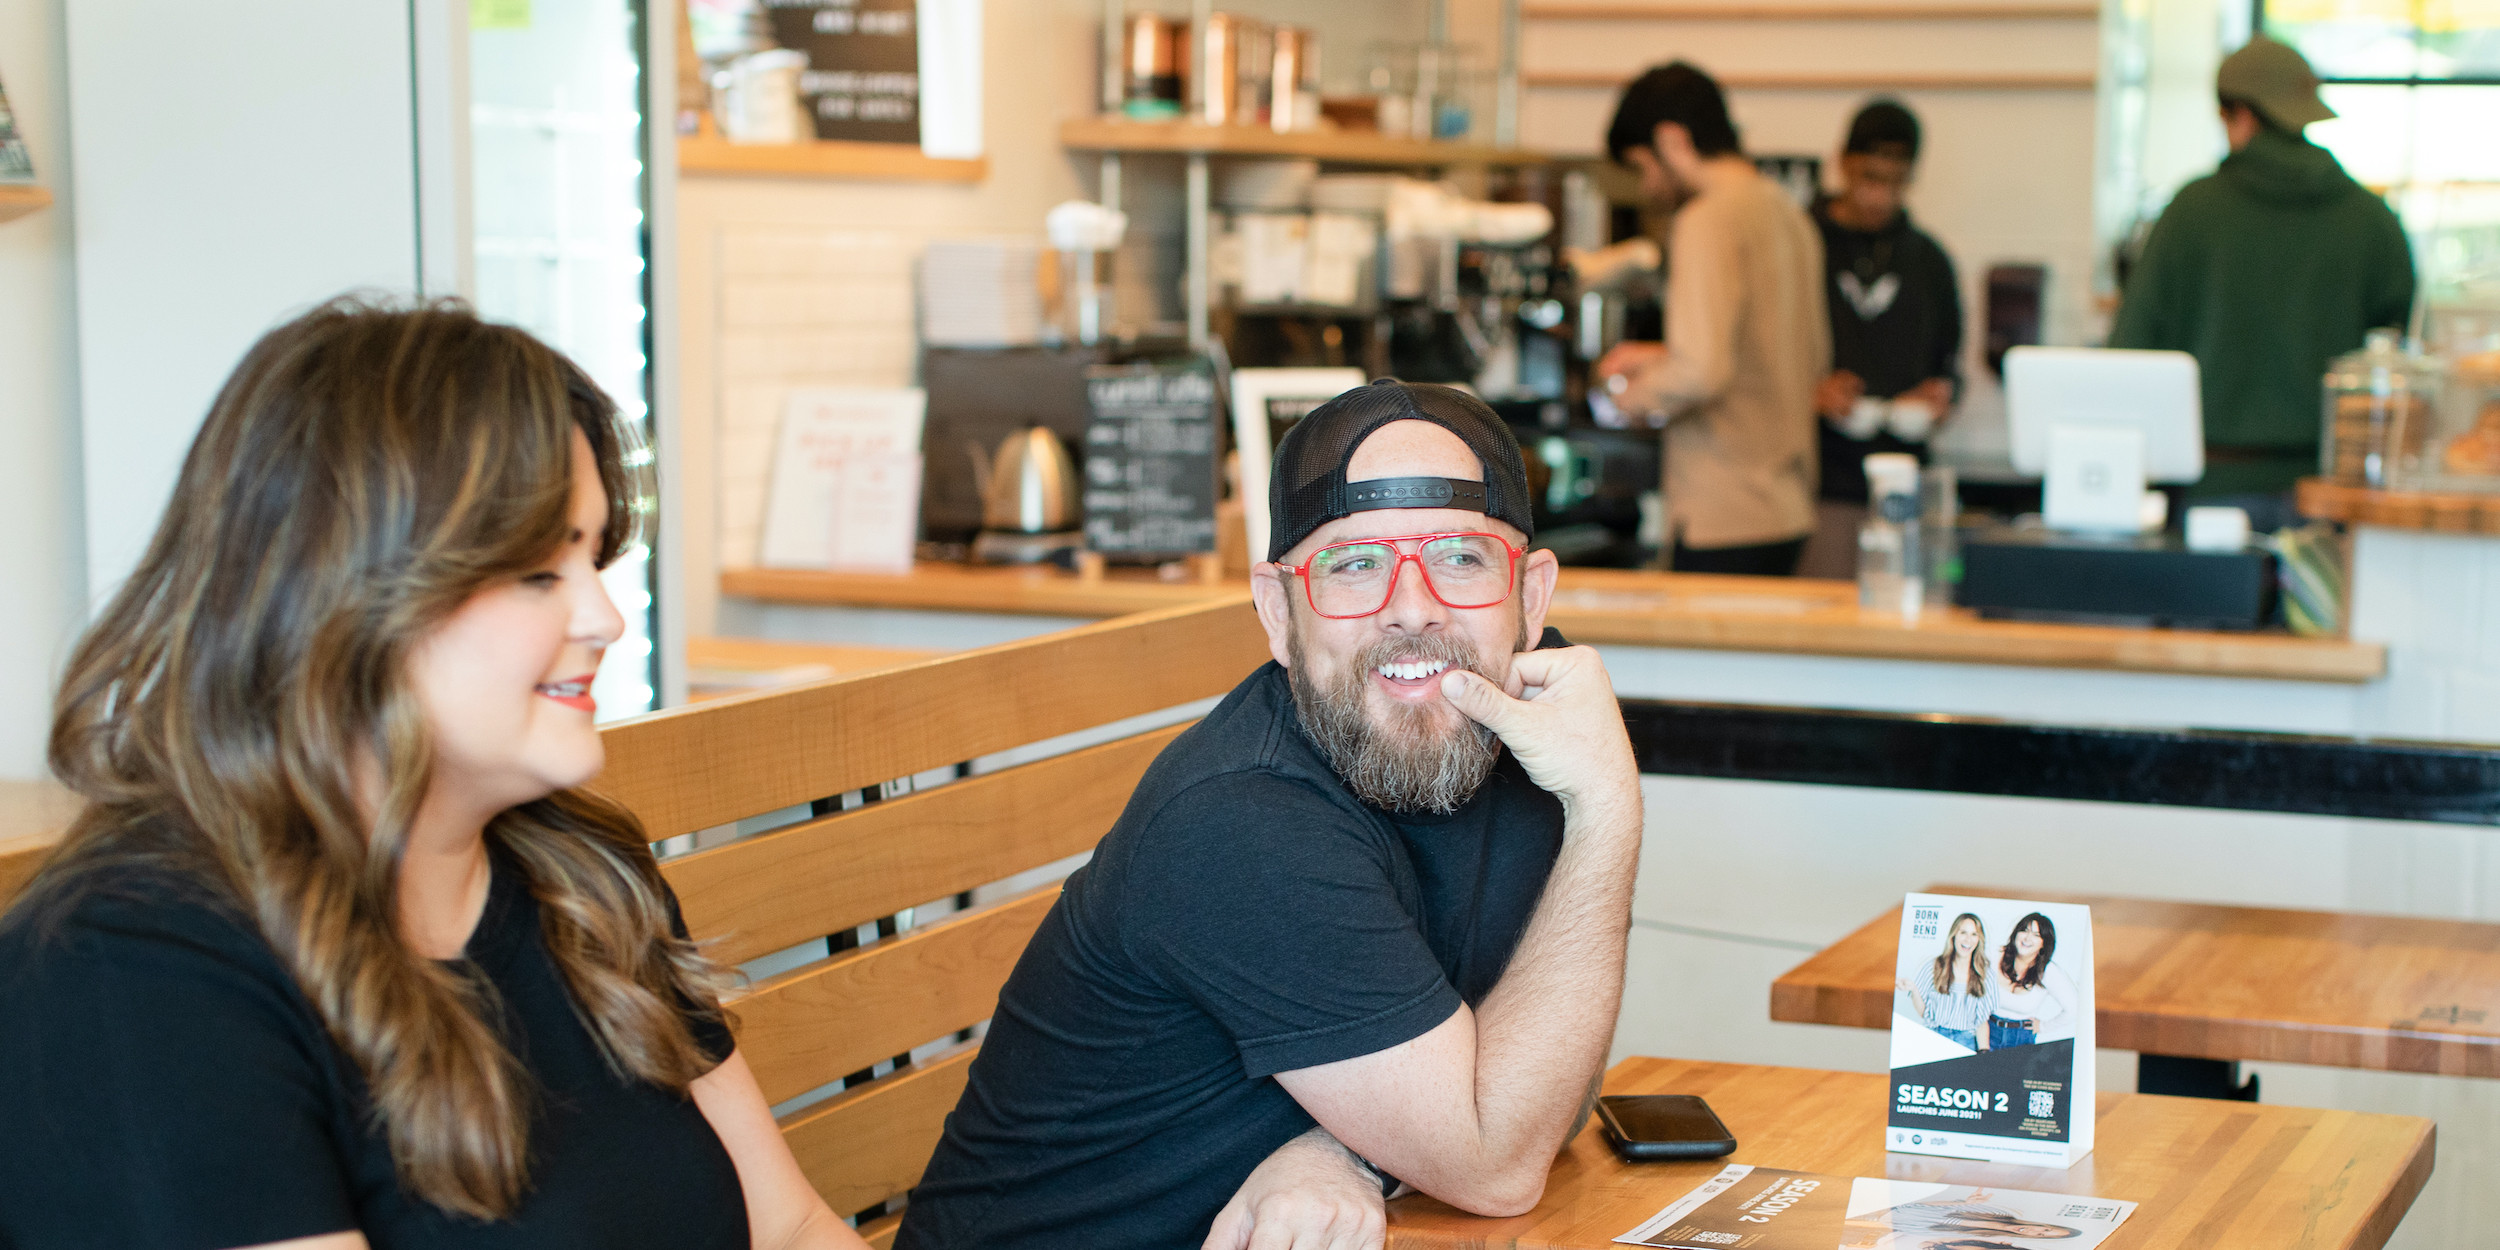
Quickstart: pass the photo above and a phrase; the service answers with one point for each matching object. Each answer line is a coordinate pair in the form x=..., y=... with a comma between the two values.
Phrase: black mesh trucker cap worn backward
x=1308, y=487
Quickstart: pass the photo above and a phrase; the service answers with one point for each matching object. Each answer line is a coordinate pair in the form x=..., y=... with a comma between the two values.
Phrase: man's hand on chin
x=1559, y=715
x=1312, y=1194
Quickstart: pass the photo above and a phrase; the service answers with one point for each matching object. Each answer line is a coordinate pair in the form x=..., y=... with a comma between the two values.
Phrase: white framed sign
x=845, y=490
x=1266, y=402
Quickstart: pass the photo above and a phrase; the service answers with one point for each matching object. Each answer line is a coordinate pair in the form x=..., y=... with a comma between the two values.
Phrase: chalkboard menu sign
x=1150, y=460
x=862, y=80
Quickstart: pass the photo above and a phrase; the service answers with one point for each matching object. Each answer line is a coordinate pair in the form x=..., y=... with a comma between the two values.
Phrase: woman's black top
x=164, y=1085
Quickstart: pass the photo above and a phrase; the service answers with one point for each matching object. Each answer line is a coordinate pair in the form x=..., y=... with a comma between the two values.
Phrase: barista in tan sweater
x=1747, y=337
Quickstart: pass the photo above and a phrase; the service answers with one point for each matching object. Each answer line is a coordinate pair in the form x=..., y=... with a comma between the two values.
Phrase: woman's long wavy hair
x=366, y=470
x=1976, y=971
x=2029, y=977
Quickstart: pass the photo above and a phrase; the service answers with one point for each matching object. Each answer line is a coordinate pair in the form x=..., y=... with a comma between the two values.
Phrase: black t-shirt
x=1246, y=916
x=165, y=1084
x=1896, y=313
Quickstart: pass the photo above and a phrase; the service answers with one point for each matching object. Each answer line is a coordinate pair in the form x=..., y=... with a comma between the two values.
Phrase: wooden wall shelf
x=703, y=155
x=16, y=201
x=2055, y=11
x=2055, y=81
x=1110, y=134
x=2406, y=510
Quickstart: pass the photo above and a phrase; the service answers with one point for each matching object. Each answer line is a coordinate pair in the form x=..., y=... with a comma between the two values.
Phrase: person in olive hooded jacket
x=2265, y=270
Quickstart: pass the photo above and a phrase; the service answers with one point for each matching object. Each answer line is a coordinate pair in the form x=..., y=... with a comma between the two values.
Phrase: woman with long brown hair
x=2031, y=999
x=338, y=953
x=1952, y=995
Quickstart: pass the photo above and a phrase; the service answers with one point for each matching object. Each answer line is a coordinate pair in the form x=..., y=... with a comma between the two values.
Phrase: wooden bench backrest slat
x=833, y=1019
x=865, y=1145
x=837, y=1017
x=694, y=768
x=779, y=889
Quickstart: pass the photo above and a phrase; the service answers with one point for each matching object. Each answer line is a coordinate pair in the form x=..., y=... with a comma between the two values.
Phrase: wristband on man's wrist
x=1388, y=1184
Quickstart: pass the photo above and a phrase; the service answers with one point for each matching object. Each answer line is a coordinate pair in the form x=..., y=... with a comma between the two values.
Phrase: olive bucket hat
x=2274, y=80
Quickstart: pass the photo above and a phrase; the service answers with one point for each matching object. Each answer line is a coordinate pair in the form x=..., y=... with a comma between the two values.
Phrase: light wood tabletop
x=2202, y=980
x=2206, y=1175
x=1797, y=616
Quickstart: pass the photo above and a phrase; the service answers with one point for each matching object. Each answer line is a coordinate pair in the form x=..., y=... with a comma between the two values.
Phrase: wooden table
x=2205, y=981
x=2207, y=1175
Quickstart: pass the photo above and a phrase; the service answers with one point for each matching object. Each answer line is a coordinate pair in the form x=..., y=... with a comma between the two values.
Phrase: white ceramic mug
x=1910, y=418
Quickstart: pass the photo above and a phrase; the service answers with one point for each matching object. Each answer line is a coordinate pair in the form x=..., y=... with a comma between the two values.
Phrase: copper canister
x=1156, y=73
x=1293, y=86
x=1234, y=55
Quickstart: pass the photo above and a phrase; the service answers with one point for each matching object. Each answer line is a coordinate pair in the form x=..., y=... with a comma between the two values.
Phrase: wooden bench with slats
x=871, y=1003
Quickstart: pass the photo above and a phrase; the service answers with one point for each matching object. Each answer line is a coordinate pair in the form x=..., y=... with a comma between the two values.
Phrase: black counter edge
x=2372, y=778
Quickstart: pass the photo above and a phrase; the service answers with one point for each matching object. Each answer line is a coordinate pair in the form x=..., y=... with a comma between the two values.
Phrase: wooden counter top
x=971, y=588
x=1787, y=615
x=2404, y=510
x=1814, y=617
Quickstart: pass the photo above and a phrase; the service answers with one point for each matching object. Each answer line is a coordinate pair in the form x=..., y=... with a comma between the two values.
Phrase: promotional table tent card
x=1992, y=1031
x=845, y=490
x=1755, y=1208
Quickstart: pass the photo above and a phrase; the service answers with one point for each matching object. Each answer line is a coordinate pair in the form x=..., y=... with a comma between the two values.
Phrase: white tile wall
x=2434, y=599
x=797, y=307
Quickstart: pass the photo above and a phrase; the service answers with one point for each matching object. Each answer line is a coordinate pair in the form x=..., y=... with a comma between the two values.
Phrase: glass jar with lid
x=2379, y=401
x=2461, y=449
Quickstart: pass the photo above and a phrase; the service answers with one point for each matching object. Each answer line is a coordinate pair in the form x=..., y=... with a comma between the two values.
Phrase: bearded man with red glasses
x=1362, y=926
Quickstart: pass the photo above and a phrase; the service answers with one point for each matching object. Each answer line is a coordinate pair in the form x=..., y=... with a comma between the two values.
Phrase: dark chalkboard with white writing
x=1151, y=479
x=862, y=80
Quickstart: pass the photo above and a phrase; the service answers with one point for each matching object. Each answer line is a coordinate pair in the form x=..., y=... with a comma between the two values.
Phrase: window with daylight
x=2415, y=85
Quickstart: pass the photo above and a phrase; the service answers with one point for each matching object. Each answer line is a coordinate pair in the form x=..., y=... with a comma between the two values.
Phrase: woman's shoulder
x=121, y=923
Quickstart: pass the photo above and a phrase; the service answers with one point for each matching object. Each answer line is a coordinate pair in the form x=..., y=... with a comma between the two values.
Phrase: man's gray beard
x=1409, y=764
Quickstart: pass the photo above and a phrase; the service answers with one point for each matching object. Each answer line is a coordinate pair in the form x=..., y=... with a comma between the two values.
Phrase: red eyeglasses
x=1354, y=579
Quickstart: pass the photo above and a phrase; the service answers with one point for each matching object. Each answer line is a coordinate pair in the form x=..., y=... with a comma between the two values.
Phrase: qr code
x=1719, y=1239
x=2043, y=1102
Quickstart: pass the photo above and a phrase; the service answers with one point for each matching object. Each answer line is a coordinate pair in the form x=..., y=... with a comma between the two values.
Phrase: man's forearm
x=1543, y=1032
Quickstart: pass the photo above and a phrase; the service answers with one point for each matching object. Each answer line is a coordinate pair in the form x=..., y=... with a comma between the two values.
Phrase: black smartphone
x=1646, y=1128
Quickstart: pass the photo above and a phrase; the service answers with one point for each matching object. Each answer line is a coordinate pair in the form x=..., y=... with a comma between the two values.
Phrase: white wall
x=236, y=164
x=42, y=565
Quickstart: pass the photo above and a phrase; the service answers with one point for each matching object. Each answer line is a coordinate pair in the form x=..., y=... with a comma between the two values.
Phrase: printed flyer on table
x=1746, y=1207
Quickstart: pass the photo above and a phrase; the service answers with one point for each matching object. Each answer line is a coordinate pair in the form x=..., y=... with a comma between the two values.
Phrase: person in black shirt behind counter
x=1896, y=311
x=1362, y=924
x=337, y=955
